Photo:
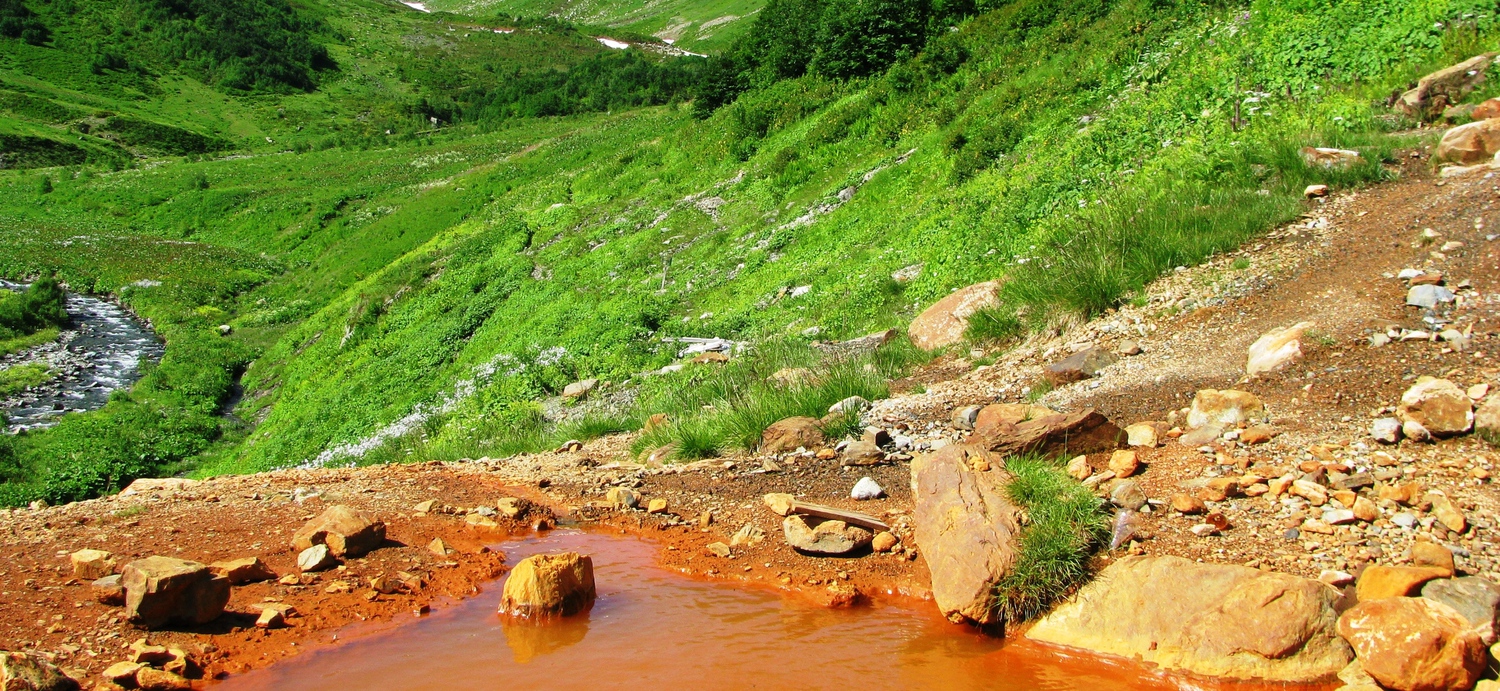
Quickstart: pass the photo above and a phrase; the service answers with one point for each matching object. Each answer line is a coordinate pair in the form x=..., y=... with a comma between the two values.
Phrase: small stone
x=439, y=547
x=749, y=535
x=1220, y=489
x=1337, y=579
x=781, y=504
x=122, y=673
x=1428, y=296
x=1433, y=556
x=270, y=619
x=884, y=541
x=1257, y=434
x=1226, y=408
x=109, y=591
x=1204, y=529
x=1315, y=191
x=1079, y=469
x=1276, y=349
x=1128, y=348
x=718, y=549
x=316, y=558
x=820, y=536
x=1310, y=491
x=1142, y=434
x=1477, y=392
x=426, y=506
x=866, y=489
x=622, y=498
x=656, y=506
x=579, y=389
x=148, y=679
x=92, y=564
x=1386, y=430
x=542, y=585
x=1188, y=504
x=347, y=532
x=1366, y=510
x=853, y=405
x=963, y=418
x=1124, y=463
x=1128, y=495
x=1439, y=406
x=1448, y=513
x=1339, y=517
x=243, y=571
x=160, y=590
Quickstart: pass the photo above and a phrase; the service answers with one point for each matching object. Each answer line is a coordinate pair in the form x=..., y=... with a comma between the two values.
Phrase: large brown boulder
x=549, y=584
x=1414, y=644
x=1445, y=87
x=1086, y=431
x=162, y=590
x=965, y=527
x=1084, y=364
x=1212, y=619
x=346, y=531
x=1469, y=144
x=1438, y=405
x=792, y=433
x=32, y=672
x=944, y=323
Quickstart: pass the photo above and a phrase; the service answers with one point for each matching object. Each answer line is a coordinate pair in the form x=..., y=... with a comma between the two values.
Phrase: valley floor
x=1336, y=267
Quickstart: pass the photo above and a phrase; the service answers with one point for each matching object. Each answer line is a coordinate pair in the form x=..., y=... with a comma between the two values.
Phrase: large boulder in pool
x=346, y=531
x=966, y=528
x=1218, y=620
x=549, y=584
x=163, y=590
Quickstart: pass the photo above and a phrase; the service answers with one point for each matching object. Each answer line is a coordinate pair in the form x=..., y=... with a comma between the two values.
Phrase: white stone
x=866, y=489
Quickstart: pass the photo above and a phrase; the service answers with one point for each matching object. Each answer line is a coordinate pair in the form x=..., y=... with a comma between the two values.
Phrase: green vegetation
x=38, y=308
x=568, y=215
x=1065, y=524
x=18, y=378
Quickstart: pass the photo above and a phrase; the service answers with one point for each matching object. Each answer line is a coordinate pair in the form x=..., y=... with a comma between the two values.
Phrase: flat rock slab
x=1083, y=432
x=1212, y=619
x=831, y=537
x=966, y=528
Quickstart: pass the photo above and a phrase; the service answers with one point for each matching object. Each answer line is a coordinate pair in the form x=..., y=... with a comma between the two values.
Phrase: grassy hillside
x=703, y=26
x=1076, y=148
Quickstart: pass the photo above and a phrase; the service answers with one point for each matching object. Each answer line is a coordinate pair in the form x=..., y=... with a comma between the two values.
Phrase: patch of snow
x=418, y=6
x=611, y=43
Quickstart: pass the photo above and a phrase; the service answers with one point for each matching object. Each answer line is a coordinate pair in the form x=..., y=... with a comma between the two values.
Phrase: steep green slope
x=1076, y=148
x=703, y=26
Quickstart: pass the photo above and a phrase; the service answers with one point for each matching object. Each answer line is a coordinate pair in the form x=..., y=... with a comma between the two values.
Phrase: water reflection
x=532, y=638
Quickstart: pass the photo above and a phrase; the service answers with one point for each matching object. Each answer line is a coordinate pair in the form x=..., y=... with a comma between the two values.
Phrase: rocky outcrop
x=1212, y=619
x=1476, y=142
x=814, y=535
x=162, y=590
x=32, y=672
x=1445, y=87
x=1081, y=365
x=943, y=324
x=1086, y=431
x=347, y=532
x=791, y=434
x=1438, y=405
x=966, y=528
x=1414, y=644
x=1276, y=349
x=549, y=584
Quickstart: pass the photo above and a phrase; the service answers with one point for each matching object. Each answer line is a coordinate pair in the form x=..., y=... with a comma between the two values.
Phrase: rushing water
x=656, y=627
x=101, y=351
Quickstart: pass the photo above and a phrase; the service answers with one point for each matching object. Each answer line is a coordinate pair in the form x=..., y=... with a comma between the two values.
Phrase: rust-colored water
x=654, y=626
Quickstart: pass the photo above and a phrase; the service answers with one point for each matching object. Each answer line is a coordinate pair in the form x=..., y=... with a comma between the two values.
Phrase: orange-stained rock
x=943, y=324
x=966, y=528
x=346, y=531
x=1414, y=644
x=1211, y=619
x=792, y=433
x=1475, y=142
x=1380, y=582
x=1086, y=431
x=159, y=590
x=242, y=571
x=549, y=584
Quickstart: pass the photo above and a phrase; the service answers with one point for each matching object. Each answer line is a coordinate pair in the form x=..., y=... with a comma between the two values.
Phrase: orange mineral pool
x=653, y=628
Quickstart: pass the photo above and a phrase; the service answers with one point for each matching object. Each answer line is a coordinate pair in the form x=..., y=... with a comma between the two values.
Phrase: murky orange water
x=653, y=626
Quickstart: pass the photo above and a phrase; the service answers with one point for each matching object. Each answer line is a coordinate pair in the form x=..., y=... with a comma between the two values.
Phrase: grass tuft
x=1067, y=523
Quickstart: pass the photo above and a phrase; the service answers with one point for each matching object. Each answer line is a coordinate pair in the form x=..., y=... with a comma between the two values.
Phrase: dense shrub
x=40, y=306
x=18, y=21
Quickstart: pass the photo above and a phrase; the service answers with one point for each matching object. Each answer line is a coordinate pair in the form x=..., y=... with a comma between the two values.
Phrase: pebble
x=866, y=489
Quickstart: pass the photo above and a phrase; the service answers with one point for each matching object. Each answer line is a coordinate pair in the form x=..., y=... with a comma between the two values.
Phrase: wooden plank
x=862, y=520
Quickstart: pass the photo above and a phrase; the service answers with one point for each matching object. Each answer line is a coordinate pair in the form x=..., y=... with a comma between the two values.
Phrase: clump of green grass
x=21, y=377
x=1067, y=523
x=20, y=343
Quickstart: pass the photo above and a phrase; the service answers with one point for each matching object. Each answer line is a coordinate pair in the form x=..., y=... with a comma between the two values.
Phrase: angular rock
x=1380, y=582
x=1124, y=463
x=1277, y=348
x=346, y=531
x=579, y=389
x=749, y=535
x=1490, y=108
x=779, y=503
x=149, y=679
x=1445, y=87
x=121, y=673
x=92, y=564
x=865, y=489
x=162, y=590
x=1474, y=598
x=1128, y=495
x=1188, y=504
x=1079, y=469
x=1487, y=420
x=1366, y=510
x=1386, y=430
x=109, y=591
x=815, y=535
x=1203, y=435
x=1428, y=296
x=1143, y=434
x=791, y=434
x=1210, y=619
x=242, y=571
x=1448, y=513
x=32, y=672
x=656, y=506
x=1438, y=405
x=1315, y=191
x=1225, y=408
x=998, y=416
x=718, y=549
x=316, y=558
x=884, y=541
x=966, y=528
x=1086, y=431
x=943, y=324
x=963, y=418
x=549, y=584
x=1081, y=365
x=1414, y=644
x=1475, y=142
x=622, y=498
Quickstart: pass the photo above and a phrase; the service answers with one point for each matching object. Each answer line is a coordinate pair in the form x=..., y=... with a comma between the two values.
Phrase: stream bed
x=655, y=626
x=102, y=350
